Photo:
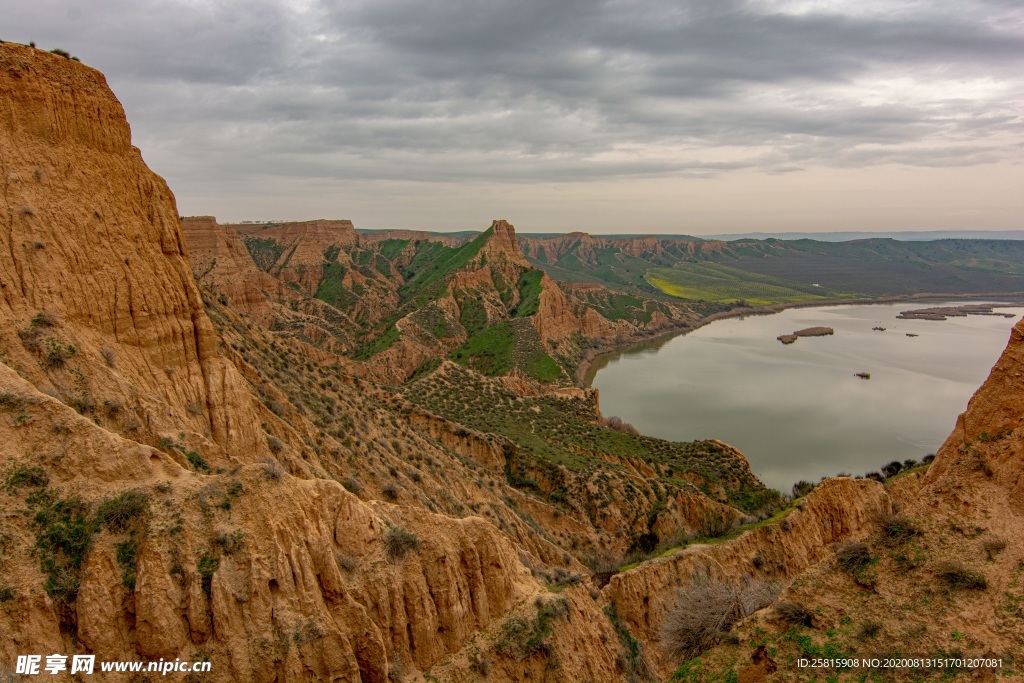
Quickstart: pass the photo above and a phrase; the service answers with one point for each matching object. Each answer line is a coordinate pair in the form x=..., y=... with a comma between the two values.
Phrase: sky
x=697, y=117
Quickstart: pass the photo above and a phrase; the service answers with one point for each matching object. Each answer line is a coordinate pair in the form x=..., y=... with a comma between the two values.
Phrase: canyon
x=302, y=452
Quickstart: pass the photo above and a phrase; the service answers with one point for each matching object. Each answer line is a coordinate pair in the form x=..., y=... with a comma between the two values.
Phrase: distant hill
x=772, y=271
x=848, y=236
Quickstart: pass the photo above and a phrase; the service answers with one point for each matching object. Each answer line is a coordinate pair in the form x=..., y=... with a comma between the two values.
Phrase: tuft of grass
x=853, y=557
x=897, y=529
x=198, y=462
x=27, y=477
x=118, y=512
x=793, y=613
x=398, y=543
x=955, y=576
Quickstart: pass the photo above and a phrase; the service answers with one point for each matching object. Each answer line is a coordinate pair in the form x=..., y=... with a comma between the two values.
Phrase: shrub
x=956, y=576
x=793, y=613
x=802, y=488
x=6, y=593
x=112, y=407
x=206, y=566
x=30, y=339
x=707, y=610
x=57, y=354
x=853, y=557
x=390, y=492
x=869, y=629
x=897, y=529
x=118, y=512
x=618, y=424
x=23, y=476
x=892, y=469
x=197, y=461
x=713, y=525
x=64, y=530
x=274, y=444
x=44, y=319
x=352, y=485
x=232, y=542
x=272, y=469
x=398, y=543
x=345, y=561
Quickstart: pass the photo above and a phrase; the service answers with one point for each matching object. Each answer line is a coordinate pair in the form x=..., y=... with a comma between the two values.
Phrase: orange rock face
x=220, y=260
x=95, y=274
x=106, y=260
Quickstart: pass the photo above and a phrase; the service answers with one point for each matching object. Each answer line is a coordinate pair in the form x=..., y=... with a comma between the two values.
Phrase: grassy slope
x=777, y=271
x=718, y=282
x=562, y=430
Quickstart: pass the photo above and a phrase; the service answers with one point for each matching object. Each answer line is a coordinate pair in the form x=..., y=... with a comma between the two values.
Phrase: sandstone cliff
x=107, y=346
x=220, y=260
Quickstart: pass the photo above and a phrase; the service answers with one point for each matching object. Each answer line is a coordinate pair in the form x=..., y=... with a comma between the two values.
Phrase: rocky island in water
x=806, y=332
x=944, y=312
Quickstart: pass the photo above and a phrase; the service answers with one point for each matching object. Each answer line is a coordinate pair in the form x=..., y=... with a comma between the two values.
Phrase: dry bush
x=853, y=557
x=398, y=543
x=271, y=468
x=618, y=424
x=793, y=613
x=706, y=611
x=897, y=529
x=956, y=576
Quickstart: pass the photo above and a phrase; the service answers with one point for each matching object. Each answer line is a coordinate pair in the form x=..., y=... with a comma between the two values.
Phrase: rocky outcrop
x=502, y=247
x=586, y=247
x=559, y=318
x=98, y=296
x=305, y=246
x=367, y=237
x=836, y=510
x=220, y=260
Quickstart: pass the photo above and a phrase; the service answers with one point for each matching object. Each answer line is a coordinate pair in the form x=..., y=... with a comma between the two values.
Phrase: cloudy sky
x=621, y=116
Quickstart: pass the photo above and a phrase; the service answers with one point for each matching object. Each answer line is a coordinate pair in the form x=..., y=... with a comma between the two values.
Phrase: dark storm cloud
x=548, y=91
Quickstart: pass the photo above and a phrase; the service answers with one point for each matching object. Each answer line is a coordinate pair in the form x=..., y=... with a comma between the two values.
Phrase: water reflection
x=799, y=411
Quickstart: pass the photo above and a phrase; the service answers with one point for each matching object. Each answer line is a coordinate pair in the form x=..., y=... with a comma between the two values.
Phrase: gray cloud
x=537, y=91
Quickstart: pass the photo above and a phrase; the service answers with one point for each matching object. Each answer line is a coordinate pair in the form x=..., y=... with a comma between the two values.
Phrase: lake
x=798, y=411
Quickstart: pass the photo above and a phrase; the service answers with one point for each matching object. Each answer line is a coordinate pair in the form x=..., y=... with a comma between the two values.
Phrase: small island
x=944, y=312
x=806, y=332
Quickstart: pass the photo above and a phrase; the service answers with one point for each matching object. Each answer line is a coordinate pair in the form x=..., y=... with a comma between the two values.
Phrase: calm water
x=798, y=411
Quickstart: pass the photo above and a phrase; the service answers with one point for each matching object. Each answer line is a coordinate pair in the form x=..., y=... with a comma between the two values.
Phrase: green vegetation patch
x=472, y=314
x=489, y=351
x=529, y=293
x=551, y=430
x=64, y=529
x=721, y=283
x=332, y=291
x=265, y=252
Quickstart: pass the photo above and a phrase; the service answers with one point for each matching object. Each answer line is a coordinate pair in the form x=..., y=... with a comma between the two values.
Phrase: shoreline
x=679, y=329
